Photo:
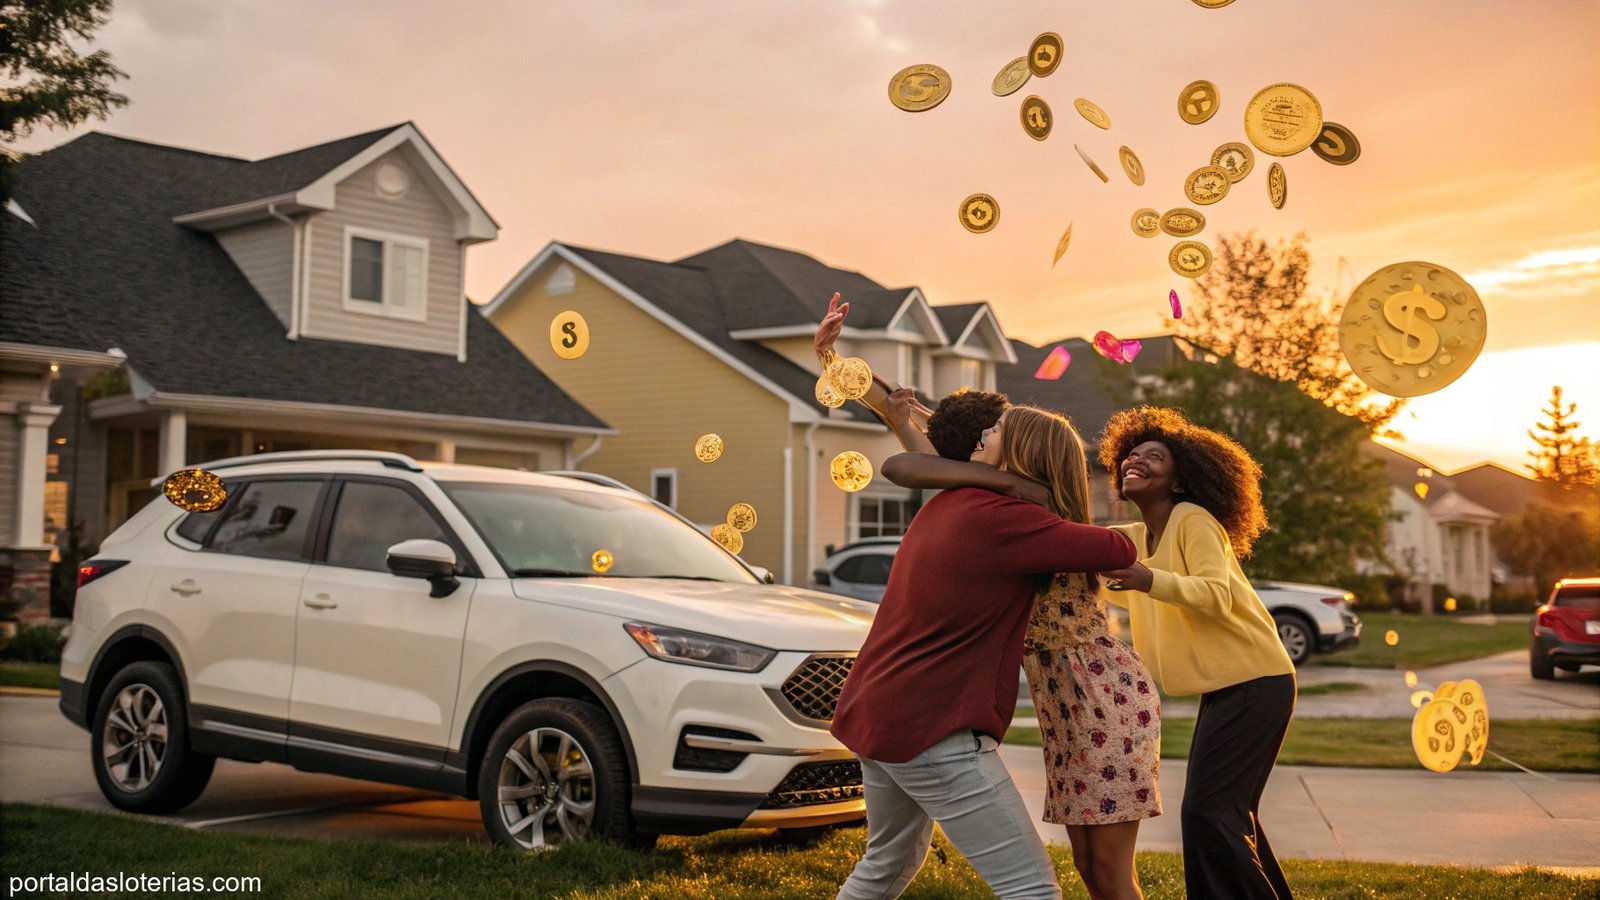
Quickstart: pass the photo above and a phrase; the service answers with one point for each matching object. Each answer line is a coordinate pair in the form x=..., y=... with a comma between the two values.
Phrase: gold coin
x=1090, y=163
x=1191, y=259
x=850, y=377
x=731, y=540
x=195, y=490
x=1336, y=144
x=1036, y=117
x=1198, y=101
x=708, y=448
x=1096, y=116
x=1182, y=222
x=1234, y=158
x=1277, y=186
x=1131, y=165
x=601, y=561
x=1206, y=185
x=1061, y=245
x=919, y=88
x=1411, y=328
x=1282, y=119
x=979, y=213
x=1212, y=4
x=1044, y=54
x=1011, y=78
x=851, y=471
x=569, y=335
x=742, y=517
x=1146, y=222
x=826, y=395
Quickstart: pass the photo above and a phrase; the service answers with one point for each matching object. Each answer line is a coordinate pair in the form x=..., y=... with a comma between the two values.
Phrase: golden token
x=1146, y=222
x=1182, y=222
x=1036, y=117
x=1236, y=159
x=1198, y=101
x=731, y=540
x=601, y=561
x=1212, y=4
x=1282, y=119
x=1451, y=723
x=826, y=395
x=1011, y=78
x=1061, y=245
x=1191, y=259
x=1090, y=163
x=708, y=448
x=1044, y=54
x=850, y=377
x=569, y=335
x=919, y=88
x=1096, y=116
x=979, y=213
x=195, y=490
x=1277, y=186
x=1336, y=144
x=1131, y=165
x=741, y=517
x=851, y=471
x=1206, y=185
x=1411, y=328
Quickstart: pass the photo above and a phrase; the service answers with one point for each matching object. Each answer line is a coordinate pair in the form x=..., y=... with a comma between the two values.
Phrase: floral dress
x=1098, y=711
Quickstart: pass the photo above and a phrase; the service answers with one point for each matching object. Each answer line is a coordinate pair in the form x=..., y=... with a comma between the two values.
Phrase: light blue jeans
x=962, y=784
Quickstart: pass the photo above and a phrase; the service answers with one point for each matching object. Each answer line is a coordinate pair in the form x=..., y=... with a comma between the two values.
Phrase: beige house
x=720, y=342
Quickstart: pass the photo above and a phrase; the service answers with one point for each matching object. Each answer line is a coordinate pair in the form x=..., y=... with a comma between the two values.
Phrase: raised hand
x=828, y=330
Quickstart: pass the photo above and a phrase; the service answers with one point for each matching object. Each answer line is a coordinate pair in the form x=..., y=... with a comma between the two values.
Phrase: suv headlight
x=694, y=649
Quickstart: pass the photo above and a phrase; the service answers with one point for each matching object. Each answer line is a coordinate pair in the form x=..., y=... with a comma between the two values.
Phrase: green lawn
x=1544, y=745
x=1427, y=641
x=725, y=866
x=1331, y=687
x=30, y=675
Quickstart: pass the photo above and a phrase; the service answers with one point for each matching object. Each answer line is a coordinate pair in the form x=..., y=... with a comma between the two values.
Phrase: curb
x=10, y=691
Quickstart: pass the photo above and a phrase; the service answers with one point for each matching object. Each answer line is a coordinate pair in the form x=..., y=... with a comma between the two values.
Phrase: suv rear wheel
x=1540, y=665
x=140, y=742
x=1296, y=635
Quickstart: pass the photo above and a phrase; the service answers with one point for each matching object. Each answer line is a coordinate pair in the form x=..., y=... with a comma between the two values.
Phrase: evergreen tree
x=1561, y=457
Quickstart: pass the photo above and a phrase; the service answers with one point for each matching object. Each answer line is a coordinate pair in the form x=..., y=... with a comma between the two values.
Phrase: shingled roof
x=761, y=287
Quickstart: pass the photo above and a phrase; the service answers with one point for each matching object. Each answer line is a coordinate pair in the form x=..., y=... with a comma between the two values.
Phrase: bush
x=1372, y=591
x=35, y=643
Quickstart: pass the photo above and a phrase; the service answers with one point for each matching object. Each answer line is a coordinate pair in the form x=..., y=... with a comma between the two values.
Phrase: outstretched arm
x=920, y=470
x=828, y=329
x=901, y=403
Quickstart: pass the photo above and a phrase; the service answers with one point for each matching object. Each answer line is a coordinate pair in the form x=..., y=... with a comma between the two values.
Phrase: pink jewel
x=1115, y=350
x=1177, y=309
x=1054, y=365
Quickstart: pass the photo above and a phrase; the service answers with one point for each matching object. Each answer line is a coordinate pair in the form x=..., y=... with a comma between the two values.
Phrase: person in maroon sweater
x=935, y=685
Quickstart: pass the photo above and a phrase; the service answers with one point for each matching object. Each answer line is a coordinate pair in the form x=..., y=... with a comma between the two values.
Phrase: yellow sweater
x=1201, y=627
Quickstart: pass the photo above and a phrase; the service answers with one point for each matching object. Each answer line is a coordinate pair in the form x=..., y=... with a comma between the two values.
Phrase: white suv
x=573, y=655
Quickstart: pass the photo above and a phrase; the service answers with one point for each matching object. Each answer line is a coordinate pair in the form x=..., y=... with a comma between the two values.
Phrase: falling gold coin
x=1282, y=119
x=979, y=213
x=1093, y=113
x=708, y=448
x=1044, y=54
x=1412, y=328
x=850, y=377
x=826, y=395
x=919, y=88
x=1411, y=679
x=1036, y=117
x=1336, y=144
x=1061, y=245
x=1191, y=259
x=851, y=471
x=569, y=335
x=1391, y=637
x=1236, y=159
x=1198, y=101
x=1212, y=4
x=1146, y=222
x=731, y=540
x=742, y=516
x=1277, y=186
x=1206, y=185
x=1131, y=165
x=1090, y=163
x=1182, y=222
x=195, y=490
x=1011, y=78
x=601, y=561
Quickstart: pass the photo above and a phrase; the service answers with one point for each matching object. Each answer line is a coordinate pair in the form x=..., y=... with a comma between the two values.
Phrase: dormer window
x=386, y=274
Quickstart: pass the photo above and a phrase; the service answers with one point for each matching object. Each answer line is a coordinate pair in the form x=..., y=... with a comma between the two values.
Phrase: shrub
x=36, y=643
x=1372, y=591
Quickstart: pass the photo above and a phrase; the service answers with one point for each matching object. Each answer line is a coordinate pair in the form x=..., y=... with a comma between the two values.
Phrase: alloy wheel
x=546, y=789
x=135, y=741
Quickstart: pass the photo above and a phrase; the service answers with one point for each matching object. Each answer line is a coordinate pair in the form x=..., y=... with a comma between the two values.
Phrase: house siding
x=264, y=252
x=419, y=213
x=8, y=483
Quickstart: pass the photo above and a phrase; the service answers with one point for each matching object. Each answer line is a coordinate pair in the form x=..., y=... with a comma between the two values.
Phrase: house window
x=664, y=486
x=563, y=282
x=970, y=376
x=386, y=274
x=882, y=516
x=911, y=365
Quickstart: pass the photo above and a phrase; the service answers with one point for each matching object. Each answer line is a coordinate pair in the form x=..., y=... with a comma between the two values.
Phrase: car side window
x=370, y=519
x=268, y=520
x=865, y=568
x=195, y=525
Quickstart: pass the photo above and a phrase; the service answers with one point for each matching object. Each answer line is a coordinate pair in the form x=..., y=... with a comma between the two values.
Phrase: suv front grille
x=819, y=782
x=813, y=689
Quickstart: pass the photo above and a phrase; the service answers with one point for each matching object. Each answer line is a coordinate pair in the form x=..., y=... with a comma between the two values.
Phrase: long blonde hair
x=1043, y=446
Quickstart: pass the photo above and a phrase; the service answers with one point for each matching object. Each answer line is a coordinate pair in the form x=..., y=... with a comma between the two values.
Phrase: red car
x=1566, y=630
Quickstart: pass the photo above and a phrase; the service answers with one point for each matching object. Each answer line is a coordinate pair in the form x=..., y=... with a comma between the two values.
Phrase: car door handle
x=320, y=601
x=186, y=587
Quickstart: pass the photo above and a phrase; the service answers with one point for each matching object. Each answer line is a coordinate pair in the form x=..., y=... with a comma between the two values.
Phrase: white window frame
x=386, y=307
x=672, y=476
x=855, y=514
x=913, y=367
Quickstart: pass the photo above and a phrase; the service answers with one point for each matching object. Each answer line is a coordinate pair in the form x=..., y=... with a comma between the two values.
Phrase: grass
x=1544, y=745
x=749, y=865
x=1427, y=641
x=30, y=675
x=1331, y=687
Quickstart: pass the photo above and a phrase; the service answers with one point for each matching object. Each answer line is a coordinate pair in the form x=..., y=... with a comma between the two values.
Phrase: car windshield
x=556, y=532
x=1578, y=596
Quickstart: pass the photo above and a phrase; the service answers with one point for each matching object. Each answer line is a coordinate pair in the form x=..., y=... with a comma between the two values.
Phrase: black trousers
x=1237, y=734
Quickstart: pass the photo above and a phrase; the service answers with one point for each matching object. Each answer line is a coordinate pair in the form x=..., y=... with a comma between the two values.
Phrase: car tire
x=1297, y=635
x=555, y=773
x=139, y=742
x=1539, y=663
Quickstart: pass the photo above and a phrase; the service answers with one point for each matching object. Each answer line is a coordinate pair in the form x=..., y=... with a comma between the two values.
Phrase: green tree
x=1547, y=543
x=47, y=81
x=1562, y=458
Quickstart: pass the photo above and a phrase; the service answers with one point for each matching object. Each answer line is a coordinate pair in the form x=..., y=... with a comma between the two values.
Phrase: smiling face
x=1148, y=473
x=991, y=443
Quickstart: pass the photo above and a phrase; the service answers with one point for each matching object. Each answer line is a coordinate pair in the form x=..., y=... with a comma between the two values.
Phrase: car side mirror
x=430, y=559
x=822, y=577
x=765, y=574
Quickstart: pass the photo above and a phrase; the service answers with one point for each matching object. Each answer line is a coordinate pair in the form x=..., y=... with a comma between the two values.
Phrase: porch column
x=174, y=441
x=445, y=451
x=33, y=444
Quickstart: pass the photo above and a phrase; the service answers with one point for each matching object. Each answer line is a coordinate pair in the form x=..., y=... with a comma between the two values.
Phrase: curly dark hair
x=1215, y=473
x=960, y=419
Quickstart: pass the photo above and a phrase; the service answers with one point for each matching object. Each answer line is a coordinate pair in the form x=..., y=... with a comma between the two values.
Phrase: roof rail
x=389, y=460
x=594, y=478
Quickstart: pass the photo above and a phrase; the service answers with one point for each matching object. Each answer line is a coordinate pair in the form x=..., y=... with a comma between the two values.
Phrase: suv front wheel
x=1296, y=634
x=140, y=742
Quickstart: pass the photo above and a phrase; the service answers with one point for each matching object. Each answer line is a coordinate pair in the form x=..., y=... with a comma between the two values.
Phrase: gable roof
x=1496, y=487
x=763, y=287
x=106, y=267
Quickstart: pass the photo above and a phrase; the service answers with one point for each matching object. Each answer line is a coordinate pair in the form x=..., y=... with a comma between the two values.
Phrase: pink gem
x=1054, y=365
x=1177, y=308
x=1115, y=350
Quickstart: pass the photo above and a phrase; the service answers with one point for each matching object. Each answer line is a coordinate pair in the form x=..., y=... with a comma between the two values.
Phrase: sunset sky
x=660, y=128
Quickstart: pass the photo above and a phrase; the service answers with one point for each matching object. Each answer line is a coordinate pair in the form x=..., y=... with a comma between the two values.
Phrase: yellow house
x=720, y=342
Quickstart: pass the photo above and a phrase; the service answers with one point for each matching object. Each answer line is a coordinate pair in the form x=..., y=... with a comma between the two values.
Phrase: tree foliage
x=1547, y=543
x=1562, y=458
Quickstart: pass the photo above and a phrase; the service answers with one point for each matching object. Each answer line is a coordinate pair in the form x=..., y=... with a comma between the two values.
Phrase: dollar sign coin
x=1416, y=340
x=1011, y=78
x=1234, y=158
x=919, y=88
x=1191, y=259
x=1036, y=118
x=731, y=540
x=569, y=335
x=1336, y=144
x=1277, y=186
x=708, y=448
x=1282, y=119
x=851, y=471
x=195, y=490
x=1412, y=328
x=1131, y=165
x=1197, y=102
x=979, y=213
x=1182, y=222
x=1092, y=113
x=1207, y=185
x=742, y=516
x=1044, y=54
x=1146, y=222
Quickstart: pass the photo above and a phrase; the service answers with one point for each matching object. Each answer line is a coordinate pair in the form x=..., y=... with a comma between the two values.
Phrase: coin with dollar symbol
x=1412, y=328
